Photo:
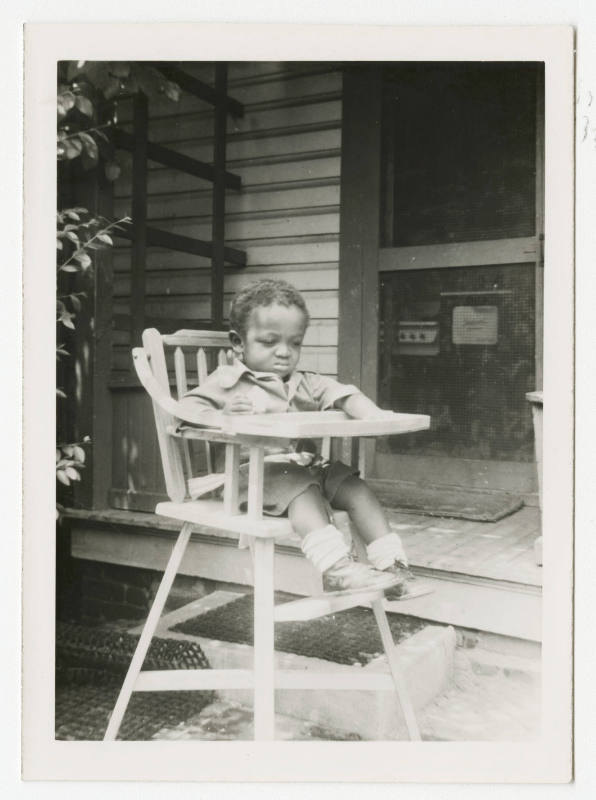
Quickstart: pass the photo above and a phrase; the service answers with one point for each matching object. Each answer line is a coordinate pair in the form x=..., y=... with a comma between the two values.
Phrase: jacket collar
x=230, y=374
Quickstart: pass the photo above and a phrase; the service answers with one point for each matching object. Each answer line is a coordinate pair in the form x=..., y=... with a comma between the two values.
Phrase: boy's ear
x=236, y=342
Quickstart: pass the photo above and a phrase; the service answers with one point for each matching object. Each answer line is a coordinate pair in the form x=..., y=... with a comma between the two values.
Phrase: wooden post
x=264, y=652
x=139, y=218
x=360, y=219
x=149, y=629
x=89, y=397
x=401, y=689
x=219, y=197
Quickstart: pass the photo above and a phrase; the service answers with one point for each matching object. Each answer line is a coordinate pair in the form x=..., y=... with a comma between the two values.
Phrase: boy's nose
x=282, y=349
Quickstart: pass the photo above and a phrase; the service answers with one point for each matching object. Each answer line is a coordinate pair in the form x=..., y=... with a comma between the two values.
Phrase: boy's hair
x=263, y=293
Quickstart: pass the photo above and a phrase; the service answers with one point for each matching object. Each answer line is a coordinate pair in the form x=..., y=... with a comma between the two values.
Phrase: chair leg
x=148, y=631
x=401, y=689
x=264, y=652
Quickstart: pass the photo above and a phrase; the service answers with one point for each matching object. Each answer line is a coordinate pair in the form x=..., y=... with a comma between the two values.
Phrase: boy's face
x=273, y=339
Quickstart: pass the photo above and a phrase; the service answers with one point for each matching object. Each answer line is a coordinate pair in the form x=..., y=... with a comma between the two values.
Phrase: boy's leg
x=384, y=547
x=308, y=511
x=324, y=545
x=366, y=512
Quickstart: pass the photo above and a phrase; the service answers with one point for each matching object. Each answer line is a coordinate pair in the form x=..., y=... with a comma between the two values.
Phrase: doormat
x=90, y=667
x=443, y=502
x=347, y=637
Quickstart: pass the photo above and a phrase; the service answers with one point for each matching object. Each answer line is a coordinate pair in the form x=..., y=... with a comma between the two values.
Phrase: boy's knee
x=354, y=490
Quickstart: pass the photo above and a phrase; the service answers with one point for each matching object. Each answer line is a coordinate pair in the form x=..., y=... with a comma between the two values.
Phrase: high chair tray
x=297, y=425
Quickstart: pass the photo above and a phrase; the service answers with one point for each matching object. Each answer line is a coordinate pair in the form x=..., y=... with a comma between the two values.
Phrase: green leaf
x=172, y=91
x=79, y=453
x=59, y=244
x=66, y=319
x=62, y=477
x=60, y=393
x=86, y=438
x=75, y=302
x=90, y=145
x=73, y=147
x=106, y=238
x=72, y=474
x=69, y=268
x=68, y=450
x=66, y=101
x=72, y=214
x=82, y=258
x=84, y=105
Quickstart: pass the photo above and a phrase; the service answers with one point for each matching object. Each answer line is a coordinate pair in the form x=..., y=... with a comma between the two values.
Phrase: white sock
x=324, y=547
x=386, y=550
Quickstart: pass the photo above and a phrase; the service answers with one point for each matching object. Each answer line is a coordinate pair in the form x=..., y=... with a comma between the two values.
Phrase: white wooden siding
x=287, y=151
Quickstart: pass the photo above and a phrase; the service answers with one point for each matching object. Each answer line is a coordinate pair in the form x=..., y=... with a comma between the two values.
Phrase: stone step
x=426, y=657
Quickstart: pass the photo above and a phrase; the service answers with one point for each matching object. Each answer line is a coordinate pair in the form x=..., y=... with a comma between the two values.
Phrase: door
x=459, y=271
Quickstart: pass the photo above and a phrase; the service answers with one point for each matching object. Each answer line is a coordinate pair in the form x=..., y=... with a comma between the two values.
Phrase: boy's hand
x=239, y=404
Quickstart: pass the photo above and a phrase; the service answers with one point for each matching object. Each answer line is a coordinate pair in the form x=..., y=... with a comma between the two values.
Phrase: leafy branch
x=87, y=107
x=80, y=233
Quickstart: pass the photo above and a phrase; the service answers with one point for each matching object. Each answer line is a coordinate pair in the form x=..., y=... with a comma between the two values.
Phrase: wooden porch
x=484, y=573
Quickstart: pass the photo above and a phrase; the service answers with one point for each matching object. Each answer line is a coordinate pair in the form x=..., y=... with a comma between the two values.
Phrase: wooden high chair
x=176, y=427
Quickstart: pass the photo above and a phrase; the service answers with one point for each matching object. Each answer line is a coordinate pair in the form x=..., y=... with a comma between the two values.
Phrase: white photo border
x=546, y=760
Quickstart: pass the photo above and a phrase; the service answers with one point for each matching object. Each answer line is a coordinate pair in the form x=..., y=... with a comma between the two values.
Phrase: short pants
x=284, y=481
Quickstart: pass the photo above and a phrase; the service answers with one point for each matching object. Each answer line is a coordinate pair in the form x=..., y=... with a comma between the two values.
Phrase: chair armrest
x=210, y=419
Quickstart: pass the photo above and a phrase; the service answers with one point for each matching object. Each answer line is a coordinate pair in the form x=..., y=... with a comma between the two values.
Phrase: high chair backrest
x=192, y=354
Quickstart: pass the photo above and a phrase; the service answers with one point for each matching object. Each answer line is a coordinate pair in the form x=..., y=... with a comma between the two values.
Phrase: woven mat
x=441, y=502
x=348, y=637
x=90, y=666
x=82, y=712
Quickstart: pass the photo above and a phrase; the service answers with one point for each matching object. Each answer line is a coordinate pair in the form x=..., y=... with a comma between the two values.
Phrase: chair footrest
x=319, y=605
x=196, y=679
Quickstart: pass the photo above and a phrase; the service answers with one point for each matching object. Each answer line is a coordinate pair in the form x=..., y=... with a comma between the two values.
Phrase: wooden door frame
x=360, y=193
x=361, y=258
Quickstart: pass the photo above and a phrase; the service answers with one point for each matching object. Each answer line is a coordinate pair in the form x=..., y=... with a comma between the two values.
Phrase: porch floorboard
x=502, y=550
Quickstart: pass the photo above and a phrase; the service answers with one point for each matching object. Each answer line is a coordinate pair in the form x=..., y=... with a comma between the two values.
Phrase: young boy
x=268, y=321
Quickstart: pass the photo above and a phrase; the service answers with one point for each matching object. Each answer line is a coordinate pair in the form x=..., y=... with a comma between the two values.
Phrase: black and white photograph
x=333, y=276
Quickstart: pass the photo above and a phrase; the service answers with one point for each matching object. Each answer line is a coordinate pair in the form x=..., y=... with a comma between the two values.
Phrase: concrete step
x=426, y=659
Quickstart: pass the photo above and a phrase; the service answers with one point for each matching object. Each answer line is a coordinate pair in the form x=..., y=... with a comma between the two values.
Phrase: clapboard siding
x=322, y=305
x=278, y=89
x=178, y=282
x=286, y=149
x=252, y=200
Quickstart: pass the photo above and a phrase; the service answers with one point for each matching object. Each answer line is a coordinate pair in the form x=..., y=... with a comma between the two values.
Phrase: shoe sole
x=418, y=592
x=360, y=590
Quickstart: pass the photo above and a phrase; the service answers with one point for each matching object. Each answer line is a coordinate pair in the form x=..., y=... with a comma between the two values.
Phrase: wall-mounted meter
x=418, y=338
